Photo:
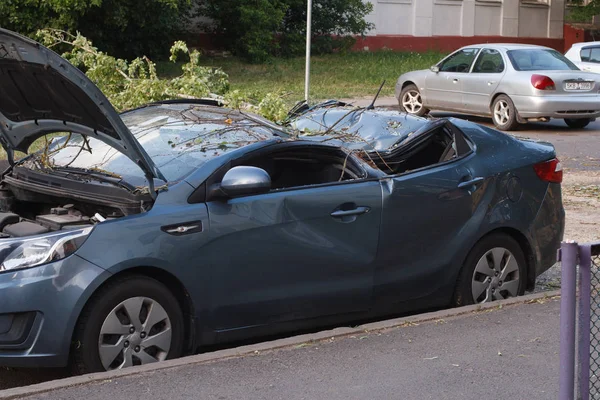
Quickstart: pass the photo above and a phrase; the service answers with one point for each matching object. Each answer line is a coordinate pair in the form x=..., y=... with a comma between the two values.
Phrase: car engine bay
x=60, y=218
x=30, y=206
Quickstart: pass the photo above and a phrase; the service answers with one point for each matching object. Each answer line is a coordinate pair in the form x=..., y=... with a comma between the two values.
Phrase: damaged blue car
x=138, y=237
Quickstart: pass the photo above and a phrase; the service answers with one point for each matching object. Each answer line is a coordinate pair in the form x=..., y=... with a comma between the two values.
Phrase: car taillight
x=542, y=82
x=549, y=171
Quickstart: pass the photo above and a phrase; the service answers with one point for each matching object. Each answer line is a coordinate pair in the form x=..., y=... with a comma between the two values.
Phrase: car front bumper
x=565, y=106
x=39, y=308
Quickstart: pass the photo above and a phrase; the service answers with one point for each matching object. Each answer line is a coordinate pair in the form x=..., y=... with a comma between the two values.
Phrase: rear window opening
x=439, y=144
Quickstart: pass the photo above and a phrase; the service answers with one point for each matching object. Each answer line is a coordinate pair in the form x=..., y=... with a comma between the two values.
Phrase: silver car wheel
x=412, y=102
x=502, y=112
x=135, y=332
x=496, y=276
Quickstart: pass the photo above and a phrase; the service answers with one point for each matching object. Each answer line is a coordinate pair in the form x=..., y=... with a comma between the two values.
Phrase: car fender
x=91, y=287
x=416, y=77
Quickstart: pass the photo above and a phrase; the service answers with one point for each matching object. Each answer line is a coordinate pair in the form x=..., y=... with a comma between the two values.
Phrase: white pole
x=308, y=37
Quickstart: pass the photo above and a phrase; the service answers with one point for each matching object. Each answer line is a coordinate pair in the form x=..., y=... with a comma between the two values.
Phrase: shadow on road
x=555, y=126
x=10, y=378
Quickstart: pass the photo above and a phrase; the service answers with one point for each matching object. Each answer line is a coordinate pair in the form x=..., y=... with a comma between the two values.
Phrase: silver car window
x=489, y=62
x=460, y=61
x=539, y=60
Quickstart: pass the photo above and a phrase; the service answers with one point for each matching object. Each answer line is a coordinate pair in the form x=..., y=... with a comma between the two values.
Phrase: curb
x=267, y=346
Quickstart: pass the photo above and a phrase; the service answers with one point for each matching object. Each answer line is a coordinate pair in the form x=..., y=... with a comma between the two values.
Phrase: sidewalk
x=507, y=353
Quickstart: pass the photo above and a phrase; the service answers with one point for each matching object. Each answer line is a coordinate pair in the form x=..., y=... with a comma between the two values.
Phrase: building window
x=536, y=2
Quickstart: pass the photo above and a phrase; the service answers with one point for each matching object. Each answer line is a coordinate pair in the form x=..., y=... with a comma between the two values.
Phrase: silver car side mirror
x=243, y=180
x=435, y=69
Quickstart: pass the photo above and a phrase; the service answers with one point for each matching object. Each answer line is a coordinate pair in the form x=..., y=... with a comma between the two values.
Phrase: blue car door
x=293, y=254
x=427, y=219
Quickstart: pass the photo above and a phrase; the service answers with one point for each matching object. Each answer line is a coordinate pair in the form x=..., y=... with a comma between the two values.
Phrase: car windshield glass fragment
x=178, y=138
x=540, y=60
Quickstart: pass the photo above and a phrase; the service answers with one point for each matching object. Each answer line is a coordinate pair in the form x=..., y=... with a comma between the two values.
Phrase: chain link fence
x=580, y=322
x=594, y=348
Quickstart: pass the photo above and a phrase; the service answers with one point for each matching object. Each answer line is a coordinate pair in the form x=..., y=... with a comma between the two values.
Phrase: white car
x=586, y=56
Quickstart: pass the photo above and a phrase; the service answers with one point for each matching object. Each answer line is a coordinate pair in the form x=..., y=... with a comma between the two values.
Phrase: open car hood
x=41, y=92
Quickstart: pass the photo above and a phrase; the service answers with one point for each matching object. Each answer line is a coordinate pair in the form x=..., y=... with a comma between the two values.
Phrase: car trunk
x=570, y=83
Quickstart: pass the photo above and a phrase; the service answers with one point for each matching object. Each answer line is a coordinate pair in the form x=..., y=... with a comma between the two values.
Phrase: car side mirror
x=435, y=69
x=244, y=180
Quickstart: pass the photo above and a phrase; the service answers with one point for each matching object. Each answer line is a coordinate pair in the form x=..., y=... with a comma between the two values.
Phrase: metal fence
x=580, y=322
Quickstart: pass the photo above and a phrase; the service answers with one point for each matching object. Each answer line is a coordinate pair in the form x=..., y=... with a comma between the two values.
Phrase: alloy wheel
x=496, y=276
x=136, y=332
x=412, y=102
x=502, y=112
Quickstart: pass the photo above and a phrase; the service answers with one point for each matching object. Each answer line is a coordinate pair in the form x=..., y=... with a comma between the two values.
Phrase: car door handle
x=490, y=83
x=470, y=183
x=455, y=80
x=185, y=228
x=348, y=213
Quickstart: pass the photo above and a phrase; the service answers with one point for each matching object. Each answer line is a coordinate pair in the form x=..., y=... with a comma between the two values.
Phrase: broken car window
x=391, y=141
x=178, y=137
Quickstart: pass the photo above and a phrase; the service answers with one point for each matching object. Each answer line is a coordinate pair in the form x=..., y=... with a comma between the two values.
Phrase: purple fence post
x=569, y=253
x=585, y=290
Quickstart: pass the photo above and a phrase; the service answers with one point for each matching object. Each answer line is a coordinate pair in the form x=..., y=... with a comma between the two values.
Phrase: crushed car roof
x=360, y=128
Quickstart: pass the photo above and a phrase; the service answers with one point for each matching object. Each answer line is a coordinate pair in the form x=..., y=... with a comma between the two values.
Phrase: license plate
x=579, y=85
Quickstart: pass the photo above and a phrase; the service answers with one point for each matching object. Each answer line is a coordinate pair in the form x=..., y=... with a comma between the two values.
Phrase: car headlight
x=30, y=251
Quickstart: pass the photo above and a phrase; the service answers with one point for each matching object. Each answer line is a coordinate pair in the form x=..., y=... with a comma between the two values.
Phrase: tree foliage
x=121, y=27
x=246, y=27
x=584, y=13
x=333, y=24
x=258, y=29
x=130, y=84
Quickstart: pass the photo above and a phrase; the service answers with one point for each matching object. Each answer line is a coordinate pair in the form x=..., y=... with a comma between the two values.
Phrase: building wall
x=512, y=18
x=444, y=24
x=421, y=25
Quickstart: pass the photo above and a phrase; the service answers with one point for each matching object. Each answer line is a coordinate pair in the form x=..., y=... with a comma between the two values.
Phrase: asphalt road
x=499, y=353
x=577, y=149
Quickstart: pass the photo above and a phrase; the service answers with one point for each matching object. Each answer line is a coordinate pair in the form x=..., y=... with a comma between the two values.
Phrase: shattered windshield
x=179, y=138
x=358, y=129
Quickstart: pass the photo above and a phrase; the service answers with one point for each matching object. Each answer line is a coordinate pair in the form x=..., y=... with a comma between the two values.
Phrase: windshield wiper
x=95, y=175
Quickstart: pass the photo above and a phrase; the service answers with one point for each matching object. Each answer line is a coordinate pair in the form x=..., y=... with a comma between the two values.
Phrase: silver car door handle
x=455, y=80
x=183, y=228
x=347, y=213
x=490, y=83
x=470, y=183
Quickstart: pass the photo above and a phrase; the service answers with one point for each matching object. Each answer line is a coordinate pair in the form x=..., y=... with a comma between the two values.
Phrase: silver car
x=512, y=83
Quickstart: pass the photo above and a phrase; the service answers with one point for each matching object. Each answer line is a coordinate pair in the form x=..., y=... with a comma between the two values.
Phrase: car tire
x=106, y=312
x=504, y=113
x=579, y=123
x=411, y=102
x=494, y=258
